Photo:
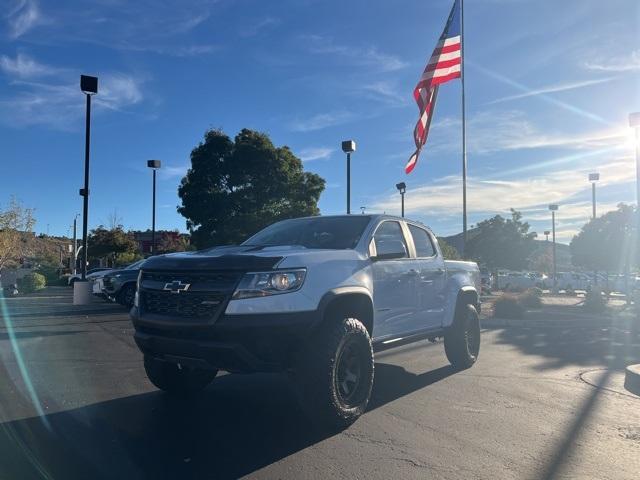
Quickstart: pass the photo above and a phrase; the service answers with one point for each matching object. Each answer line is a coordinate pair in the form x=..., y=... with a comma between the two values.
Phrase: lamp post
x=82, y=288
x=634, y=122
x=553, y=209
x=348, y=146
x=89, y=86
x=402, y=188
x=546, y=234
x=154, y=165
x=593, y=178
x=75, y=243
x=362, y=209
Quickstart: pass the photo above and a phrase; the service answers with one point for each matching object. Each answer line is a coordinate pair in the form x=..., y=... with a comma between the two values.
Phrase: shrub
x=537, y=291
x=508, y=306
x=530, y=299
x=31, y=282
x=594, y=301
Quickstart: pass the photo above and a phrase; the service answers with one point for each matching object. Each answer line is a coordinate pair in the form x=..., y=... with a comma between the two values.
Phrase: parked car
x=120, y=285
x=486, y=279
x=313, y=296
x=571, y=281
x=517, y=281
x=90, y=274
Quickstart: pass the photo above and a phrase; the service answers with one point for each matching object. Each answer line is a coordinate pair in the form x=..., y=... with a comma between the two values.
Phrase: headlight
x=262, y=284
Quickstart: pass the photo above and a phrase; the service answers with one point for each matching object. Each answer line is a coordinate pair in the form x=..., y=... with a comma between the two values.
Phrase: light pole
x=89, y=86
x=634, y=122
x=82, y=288
x=362, y=209
x=553, y=209
x=402, y=188
x=546, y=234
x=593, y=178
x=75, y=243
x=348, y=146
x=154, y=165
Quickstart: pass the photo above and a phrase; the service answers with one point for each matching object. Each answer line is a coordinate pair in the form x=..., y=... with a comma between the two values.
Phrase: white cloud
x=58, y=104
x=364, y=56
x=621, y=63
x=251, y=30
x=315, y=153
x=531, y=195
x=23, y=17
x=320, y=121
x=118, y=91
x=24, y=66
x=552, y=89
x=493, y=131
x=385, y=91
x=168, y=172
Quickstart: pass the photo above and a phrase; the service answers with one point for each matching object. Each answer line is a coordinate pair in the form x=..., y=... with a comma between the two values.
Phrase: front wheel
x=336, y=379
x=127, y=295
x=177, y=379
x=462, y=340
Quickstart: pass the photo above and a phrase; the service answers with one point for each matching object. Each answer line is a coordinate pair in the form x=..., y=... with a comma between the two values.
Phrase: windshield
x=333, y=233
x=134, y=265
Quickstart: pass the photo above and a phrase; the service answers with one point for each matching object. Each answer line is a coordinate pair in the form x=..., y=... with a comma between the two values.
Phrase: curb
x=632, y=379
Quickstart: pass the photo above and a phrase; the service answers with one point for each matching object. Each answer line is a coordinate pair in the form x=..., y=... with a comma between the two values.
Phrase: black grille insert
x=192, y=305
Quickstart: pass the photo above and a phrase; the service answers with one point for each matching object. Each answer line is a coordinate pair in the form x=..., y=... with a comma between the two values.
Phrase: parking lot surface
x=541, y=402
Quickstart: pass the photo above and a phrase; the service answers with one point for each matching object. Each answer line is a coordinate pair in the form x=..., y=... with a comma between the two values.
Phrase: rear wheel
x=177, y=379
x=462, y=340
x=336, y=379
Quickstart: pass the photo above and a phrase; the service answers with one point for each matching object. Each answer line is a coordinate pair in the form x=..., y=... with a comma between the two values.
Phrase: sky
x=549, y=86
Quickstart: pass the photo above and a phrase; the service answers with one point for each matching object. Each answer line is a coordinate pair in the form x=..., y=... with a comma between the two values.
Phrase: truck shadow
x=239, y=425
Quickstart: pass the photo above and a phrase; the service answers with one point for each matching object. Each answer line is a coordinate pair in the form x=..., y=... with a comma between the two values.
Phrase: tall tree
x=607, y=242
x=502, y=243
x=236, y=187
x=110, y=243
x=15, y=221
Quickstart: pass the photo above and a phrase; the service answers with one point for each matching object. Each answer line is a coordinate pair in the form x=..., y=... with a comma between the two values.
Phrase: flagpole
x=464, y=135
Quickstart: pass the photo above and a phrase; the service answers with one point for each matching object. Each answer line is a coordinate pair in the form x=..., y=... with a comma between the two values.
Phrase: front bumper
x=235, y=343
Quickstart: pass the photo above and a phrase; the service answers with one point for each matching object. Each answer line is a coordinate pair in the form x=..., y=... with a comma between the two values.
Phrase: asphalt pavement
x=542, y=402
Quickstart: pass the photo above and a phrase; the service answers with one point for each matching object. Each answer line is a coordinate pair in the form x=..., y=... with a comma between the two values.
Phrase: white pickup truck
x=315, y=297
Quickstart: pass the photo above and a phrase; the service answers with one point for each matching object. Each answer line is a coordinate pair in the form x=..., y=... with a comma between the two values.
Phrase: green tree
x=236, y=187
x=15, y=221
x=607, y=242
x=110, y=243
x=502, y=243
x=448, y=251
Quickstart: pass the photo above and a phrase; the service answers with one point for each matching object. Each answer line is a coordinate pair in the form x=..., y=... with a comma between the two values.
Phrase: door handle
x=413, y=273
x=439, y=271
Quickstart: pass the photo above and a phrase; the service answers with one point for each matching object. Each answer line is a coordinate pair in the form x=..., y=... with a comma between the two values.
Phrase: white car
x=313, y=296
x=93, y=273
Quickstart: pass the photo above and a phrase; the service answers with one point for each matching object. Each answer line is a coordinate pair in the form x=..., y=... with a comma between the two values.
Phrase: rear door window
x=422, y=242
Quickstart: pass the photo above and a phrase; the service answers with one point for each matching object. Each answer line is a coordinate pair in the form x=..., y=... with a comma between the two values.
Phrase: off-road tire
x=336, y=376
x=170, y=378
x=462, y=339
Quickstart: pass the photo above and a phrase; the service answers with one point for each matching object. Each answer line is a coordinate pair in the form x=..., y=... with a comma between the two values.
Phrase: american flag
x=444, y=65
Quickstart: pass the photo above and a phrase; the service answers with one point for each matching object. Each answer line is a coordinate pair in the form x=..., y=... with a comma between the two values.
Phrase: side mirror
x=390, y=249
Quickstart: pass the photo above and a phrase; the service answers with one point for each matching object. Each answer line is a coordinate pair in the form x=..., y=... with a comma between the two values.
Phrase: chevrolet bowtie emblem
x=176, y=286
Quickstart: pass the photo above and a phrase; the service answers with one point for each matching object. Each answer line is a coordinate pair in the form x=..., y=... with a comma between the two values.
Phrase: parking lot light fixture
x=88, y=86
x=554, y=209
x=348, y=147
x=402, y=188
x=154, y=165
x=593, y=178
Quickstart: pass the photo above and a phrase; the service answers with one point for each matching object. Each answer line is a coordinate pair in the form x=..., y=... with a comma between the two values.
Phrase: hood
x=239, y=257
